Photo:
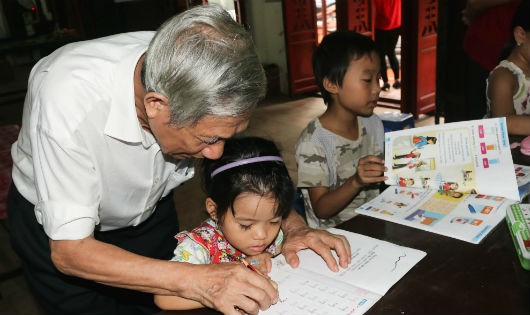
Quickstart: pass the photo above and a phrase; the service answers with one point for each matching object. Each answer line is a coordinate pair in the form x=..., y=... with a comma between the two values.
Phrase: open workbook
x=313, y=289
x=455, y=179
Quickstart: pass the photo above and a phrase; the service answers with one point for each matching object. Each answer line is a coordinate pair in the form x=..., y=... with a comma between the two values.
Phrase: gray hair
x=204, y=62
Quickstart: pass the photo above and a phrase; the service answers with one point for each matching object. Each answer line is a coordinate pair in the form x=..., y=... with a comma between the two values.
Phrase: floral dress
x=206, y=244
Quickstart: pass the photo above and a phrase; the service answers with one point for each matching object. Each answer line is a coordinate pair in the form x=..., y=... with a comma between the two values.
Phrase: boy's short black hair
x=334, y=54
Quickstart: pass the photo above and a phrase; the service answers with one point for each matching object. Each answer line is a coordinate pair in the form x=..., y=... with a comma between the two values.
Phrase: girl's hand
x=261, y=262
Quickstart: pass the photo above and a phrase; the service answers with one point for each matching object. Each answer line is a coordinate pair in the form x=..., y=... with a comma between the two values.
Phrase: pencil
x=249, y=266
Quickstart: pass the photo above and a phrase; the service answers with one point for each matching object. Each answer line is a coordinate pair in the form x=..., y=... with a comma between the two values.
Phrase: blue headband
x=244, y=162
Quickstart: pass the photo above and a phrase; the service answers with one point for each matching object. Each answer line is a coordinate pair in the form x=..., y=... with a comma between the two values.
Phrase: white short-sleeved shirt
x=521, y=99
x=82, y=157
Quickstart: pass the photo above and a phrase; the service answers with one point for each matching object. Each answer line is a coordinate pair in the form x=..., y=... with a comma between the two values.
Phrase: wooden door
x=355, y=15
x=300, y=42
x=418, y=56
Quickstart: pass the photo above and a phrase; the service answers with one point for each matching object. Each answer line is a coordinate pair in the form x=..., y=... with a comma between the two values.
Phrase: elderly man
x=110, y=127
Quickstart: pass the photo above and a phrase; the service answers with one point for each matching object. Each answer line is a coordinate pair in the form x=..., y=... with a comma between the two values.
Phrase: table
x=454, y=277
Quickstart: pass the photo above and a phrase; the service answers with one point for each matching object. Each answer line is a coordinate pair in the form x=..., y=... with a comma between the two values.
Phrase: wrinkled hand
x=370, y=170
x=232, y=288
x=320, y=241
x=261, y=262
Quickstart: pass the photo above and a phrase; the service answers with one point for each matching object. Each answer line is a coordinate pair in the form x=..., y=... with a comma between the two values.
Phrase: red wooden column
x=418, y=56
x=355, y=15
x=300, y=42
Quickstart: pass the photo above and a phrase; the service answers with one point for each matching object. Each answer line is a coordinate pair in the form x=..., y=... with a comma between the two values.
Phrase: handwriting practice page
x=313, y=289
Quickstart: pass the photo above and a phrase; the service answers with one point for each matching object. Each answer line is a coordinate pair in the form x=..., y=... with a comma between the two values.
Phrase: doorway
x=326, y=17
x=326, y=22
x=417, y=50
x=392, y=97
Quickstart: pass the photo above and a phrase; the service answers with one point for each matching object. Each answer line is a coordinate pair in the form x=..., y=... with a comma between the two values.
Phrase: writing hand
x=262, y=262
x=232, y=288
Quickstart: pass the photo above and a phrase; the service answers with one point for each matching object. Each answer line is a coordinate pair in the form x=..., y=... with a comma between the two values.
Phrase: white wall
x=228, y=5
x=265, y=19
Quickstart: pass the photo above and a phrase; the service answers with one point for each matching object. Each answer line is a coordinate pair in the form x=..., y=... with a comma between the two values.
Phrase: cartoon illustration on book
x=451, y=193
x=417, y=165
x=467, y=175
x=411, y=143
x=403, y=182
x=432, y=159
x=412, y=154
x=425, y=182
x=448, y=186
x=421, y=141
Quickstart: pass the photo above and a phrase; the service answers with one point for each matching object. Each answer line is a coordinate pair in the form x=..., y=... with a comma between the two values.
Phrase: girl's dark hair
x=520, y=18
x=332, y=57
x=261, y=178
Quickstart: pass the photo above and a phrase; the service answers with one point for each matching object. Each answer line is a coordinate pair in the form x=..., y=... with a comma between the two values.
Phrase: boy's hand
x=261, y=262
x=370, y=170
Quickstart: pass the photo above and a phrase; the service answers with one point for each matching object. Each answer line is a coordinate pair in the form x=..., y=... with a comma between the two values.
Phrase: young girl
x=508, y=86
x=249, y=191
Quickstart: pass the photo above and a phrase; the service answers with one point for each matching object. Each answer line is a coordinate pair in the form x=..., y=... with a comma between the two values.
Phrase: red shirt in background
x=387, y=14
x=487, y=34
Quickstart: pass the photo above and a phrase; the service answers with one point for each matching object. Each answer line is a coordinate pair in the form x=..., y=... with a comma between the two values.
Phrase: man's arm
x=220, y=286
x=299, y=236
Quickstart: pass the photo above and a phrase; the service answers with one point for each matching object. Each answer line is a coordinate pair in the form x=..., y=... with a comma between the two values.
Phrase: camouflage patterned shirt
x=325, y=159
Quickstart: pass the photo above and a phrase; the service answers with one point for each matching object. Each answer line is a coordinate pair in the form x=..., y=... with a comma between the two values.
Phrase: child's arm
x=327, y=203
x=171, y=302
x=191, y=252
x=502, y=85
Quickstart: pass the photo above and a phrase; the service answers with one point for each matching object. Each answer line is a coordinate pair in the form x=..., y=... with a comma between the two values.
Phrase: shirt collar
x=122, y=122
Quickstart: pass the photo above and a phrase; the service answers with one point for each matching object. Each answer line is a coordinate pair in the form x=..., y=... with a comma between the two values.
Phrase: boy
x=338, y=153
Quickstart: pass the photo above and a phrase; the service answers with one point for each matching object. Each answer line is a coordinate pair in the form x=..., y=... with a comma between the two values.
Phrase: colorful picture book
x=455, y=179
x=468, y=157
x=522, y=175
x=313, y=289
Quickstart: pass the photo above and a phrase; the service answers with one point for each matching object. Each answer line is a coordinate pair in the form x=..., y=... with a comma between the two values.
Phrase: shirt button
x=156, y=180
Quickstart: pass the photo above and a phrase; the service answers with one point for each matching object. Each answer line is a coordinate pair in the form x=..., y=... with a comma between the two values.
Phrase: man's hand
x=232, y=288
x=299, y=236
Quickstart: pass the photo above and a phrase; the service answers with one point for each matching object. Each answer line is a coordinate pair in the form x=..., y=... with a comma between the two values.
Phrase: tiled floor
x=279, y=119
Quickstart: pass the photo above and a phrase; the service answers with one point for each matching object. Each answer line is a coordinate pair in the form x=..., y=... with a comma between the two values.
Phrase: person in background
x=110, y=127
x=508, y=85
x=387, y=30
x=488, y=29
x=249, y=193
x=339, y=153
